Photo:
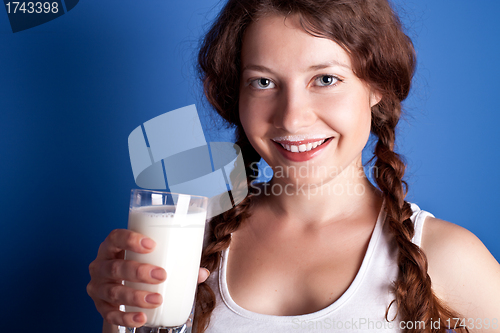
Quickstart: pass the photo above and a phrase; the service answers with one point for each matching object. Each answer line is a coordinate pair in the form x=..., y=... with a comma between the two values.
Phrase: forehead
x=276, y=40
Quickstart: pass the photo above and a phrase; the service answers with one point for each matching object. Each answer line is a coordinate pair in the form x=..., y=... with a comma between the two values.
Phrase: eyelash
x=331, y=76
x=254, y=82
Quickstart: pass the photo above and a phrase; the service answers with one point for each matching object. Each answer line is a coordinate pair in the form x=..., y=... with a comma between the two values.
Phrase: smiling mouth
x=302, y=147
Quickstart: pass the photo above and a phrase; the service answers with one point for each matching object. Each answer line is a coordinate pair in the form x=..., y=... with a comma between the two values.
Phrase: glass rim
x=164, y=192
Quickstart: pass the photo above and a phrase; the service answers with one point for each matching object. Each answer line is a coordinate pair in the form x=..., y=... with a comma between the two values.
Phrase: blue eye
x=262, y=83
x=327, y=80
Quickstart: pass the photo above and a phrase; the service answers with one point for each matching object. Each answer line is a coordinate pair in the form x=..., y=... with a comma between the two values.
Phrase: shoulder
x=463, y=272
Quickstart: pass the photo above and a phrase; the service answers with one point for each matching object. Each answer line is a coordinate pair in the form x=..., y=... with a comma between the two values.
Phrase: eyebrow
x=332, y=63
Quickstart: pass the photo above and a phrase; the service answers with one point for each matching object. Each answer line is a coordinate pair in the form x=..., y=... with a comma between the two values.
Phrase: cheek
x=254, y=115
x=252, y=119
x=349, y=115
x=244, y=113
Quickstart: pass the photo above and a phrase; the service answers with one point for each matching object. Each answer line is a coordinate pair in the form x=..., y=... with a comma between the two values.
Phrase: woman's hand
x=109, y=269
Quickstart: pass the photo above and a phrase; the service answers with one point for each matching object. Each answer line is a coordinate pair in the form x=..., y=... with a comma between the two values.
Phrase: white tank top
x=361, y=308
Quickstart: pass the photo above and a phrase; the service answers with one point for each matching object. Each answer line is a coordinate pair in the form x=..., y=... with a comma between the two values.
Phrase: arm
x=464, y=274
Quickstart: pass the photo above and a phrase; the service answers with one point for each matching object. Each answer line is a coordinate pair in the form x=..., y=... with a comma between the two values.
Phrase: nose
x=295, y=111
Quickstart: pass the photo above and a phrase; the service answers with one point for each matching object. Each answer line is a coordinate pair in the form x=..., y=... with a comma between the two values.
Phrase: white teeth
x=303, y=147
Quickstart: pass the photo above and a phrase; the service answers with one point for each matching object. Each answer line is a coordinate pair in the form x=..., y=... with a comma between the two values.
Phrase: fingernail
x=153, y=299
x=138, y=318
x=158, y=274
x=148, y=243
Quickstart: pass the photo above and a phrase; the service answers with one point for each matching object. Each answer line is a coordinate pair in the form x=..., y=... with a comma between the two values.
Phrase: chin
x=302, y=183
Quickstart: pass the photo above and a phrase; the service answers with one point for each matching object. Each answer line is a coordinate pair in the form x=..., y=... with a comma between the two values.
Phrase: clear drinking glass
x=176, y=222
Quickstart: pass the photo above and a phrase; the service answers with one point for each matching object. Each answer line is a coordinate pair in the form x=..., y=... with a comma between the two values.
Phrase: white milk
x=178, y=249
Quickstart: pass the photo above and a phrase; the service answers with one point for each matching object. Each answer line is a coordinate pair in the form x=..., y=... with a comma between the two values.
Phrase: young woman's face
x=296, y=91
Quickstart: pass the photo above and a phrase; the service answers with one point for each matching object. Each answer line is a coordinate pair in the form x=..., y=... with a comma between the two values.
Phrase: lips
x=300, y=151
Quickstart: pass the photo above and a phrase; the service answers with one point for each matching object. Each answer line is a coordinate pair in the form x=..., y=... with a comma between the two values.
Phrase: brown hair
x=384, y=57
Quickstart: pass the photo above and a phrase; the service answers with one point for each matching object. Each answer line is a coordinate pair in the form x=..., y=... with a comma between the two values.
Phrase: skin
x=464, y=273
x=297, y=102
x=312, y=230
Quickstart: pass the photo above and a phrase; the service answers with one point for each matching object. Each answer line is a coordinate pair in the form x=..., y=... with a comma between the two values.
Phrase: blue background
x=73, y=89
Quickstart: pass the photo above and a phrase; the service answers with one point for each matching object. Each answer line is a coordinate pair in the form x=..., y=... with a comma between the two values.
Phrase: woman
x=318, y=246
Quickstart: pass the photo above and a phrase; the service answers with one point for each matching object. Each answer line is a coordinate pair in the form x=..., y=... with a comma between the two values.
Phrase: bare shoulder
x=463, y=272
x=443, y=237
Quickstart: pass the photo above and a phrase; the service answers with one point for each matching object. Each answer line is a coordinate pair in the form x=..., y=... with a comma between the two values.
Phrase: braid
x=415, y=299
x=220, y=229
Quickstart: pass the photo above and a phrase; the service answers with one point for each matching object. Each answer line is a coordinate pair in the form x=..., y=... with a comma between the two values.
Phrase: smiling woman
x=305, y=83
x=311, y=95
x=309, y=71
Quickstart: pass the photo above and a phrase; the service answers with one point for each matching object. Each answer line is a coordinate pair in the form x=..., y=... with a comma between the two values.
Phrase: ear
x=375, y=97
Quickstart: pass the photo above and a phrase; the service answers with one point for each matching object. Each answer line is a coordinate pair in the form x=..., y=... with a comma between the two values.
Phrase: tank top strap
x=418, y=219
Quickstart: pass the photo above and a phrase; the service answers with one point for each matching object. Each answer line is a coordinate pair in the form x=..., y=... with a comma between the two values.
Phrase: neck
x=334, y=199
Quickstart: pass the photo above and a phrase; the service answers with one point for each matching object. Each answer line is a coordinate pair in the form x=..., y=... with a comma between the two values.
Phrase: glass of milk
x=176, y=222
